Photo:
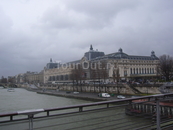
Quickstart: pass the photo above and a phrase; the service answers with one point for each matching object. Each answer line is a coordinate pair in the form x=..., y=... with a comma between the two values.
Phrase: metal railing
x=100, y=115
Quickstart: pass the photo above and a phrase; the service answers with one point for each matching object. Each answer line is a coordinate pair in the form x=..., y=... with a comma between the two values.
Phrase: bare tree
x=72, y=75
x=113, y=76
x=103, y=70
x=165, y=67
x=116, y=74
x=77, y=74
x=99, y=71
x=93, y=71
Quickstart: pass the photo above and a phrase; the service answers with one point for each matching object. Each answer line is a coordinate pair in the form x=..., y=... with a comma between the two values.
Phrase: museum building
x=100, y=67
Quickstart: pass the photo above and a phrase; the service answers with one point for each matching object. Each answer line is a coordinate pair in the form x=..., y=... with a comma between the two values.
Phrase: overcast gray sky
x=33, y=31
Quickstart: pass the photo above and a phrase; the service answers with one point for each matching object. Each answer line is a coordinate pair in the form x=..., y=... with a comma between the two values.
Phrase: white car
x=121, y=97
x=104, y=95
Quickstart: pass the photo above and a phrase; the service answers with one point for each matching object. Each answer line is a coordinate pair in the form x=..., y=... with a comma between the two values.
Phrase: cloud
x=85, y=14
x=32, y=32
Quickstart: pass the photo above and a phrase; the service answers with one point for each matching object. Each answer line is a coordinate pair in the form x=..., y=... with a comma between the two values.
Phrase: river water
x=22, y=99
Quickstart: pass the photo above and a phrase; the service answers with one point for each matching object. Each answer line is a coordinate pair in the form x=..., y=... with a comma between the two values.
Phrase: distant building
x=11, y=79
x=33, y=77
x=19, y=78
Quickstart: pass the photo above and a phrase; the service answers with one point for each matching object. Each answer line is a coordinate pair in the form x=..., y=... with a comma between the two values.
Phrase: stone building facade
x=111, y=67
x=60, y=74
x=34, y=77
x=130, y=66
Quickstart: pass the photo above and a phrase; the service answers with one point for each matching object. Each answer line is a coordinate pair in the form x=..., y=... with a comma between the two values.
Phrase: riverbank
x=79, y=95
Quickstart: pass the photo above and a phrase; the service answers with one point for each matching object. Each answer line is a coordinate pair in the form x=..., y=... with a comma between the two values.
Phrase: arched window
x=139, y=70
x=57, y=77
x=62, y=77
x=125, y=73
x=49, y=78
x=53, y=78
x=66, y=77
x=153, y=70
x=134, y=71
x=131, y=71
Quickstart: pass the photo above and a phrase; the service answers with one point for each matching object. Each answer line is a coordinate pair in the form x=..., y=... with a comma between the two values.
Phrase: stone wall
x=149, y=90
x=120, y=88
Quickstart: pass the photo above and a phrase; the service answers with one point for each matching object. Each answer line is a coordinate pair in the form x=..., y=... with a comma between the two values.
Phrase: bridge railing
x=111, y=113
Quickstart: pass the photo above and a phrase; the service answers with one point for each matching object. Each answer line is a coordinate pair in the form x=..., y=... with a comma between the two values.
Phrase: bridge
x=6, y=85
x=139, y=113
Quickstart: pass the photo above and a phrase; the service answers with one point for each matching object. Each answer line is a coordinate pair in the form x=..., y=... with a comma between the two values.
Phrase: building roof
x=95, y=55
x=121, y=55
x=92, y=54
x=72, y=62
x=51, y=65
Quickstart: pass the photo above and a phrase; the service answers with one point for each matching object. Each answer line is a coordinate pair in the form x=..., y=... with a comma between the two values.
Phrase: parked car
x=136, y=83
x=103, y=95
x=76, y=92
x=121, y=97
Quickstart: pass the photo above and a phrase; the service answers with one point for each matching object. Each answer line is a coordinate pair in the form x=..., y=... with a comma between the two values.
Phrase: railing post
x=47, y=113
x=108, y=105
x=157, y=114
x=80, y=109
x=30, y=114
x=30, y=121
x=11, y=118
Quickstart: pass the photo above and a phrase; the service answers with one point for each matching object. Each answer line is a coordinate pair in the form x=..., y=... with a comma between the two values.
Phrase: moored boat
x=10, y=90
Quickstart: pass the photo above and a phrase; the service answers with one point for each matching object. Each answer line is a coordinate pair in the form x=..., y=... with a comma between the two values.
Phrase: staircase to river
x=132, y=89
x=166, y=88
